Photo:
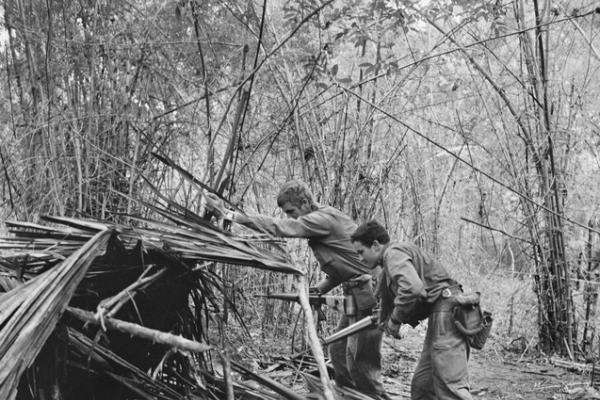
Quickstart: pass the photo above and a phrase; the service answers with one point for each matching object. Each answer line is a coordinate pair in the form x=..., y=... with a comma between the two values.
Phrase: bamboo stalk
x=495, y=229
x=140, y=331
x=210, y=152
x=585, y=38
x=226, y=361
x=524, y=197
x=314, y=343
x=116, y=302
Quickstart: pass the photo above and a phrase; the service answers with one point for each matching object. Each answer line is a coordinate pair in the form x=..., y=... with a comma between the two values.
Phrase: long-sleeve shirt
x=409, y=284
x=328, y=232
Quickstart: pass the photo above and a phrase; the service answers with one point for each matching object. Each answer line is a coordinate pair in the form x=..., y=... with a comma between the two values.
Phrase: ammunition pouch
x=349, y=305
x=473, y=323
x=361, y=291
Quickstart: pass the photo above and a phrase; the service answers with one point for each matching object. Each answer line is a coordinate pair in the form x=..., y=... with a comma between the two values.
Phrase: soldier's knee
x=421, y=385
x=419, y=392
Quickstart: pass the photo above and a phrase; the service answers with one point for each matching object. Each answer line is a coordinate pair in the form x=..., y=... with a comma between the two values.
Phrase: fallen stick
x=153, y=335
x=571, y=365
x=268, y=382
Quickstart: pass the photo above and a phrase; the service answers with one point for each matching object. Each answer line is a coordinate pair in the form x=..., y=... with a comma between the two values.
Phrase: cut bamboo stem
x=314, y=342
x=112, y=305
x=153, y=335
x=226, y=362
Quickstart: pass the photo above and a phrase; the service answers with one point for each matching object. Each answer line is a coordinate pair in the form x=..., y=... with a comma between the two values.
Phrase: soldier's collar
x=382, y=254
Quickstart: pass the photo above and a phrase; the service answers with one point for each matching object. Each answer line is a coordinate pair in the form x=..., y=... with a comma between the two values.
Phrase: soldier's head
x=369, y=241
x=295, y=199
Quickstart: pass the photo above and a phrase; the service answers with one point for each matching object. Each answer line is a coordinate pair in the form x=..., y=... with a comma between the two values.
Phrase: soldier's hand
x=392, y=329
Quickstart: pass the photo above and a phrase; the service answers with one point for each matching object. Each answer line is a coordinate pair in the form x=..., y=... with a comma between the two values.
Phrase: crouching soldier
x=412, y=288
x=356, y=360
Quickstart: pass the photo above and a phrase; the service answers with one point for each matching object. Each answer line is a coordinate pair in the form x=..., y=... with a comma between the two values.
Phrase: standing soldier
x=411, y=288
x=356, y=360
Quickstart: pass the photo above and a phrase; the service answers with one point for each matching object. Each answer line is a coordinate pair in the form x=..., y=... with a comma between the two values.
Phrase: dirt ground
x=503, y=370
x=495, y=373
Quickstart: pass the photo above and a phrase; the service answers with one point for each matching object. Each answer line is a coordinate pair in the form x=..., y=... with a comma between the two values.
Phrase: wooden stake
x=314, y=342
x=226, y=363
x=153, y=335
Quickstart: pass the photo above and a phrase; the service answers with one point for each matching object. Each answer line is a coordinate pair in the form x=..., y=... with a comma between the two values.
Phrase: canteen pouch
x=361, y=289
x=349, y=305
x=473, y=323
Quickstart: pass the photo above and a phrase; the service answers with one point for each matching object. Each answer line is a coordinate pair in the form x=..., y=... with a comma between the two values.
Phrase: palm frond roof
x=42, y=267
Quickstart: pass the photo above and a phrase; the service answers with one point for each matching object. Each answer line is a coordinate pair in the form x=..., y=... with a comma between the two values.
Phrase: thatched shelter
x=91, y=309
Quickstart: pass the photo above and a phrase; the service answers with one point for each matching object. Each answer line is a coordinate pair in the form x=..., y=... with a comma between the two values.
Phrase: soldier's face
x=294, y=211
x=370, y=255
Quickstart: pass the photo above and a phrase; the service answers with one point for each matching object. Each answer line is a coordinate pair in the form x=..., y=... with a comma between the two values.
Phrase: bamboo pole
x=153, y=335
x=227, y=380
x=113, y=304
x=314, y=343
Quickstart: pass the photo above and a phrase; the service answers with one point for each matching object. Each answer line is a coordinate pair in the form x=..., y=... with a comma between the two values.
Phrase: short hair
x=295, y=192
x=369, y=232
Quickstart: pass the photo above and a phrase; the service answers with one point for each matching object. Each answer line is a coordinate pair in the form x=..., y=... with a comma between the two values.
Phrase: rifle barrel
x=280, y=296
x=365, y=323
x=294, y=297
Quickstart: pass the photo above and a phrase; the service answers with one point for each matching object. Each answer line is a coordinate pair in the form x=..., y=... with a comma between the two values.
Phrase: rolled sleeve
x=328, y=284
x=308, y=226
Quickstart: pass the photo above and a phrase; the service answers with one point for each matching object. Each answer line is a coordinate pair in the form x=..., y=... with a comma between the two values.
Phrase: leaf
x=345, y=81
x=365, y=65
x=29, y=312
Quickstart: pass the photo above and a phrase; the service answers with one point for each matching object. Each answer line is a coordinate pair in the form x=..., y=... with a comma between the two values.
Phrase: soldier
x=356, y=360
x=411, y=288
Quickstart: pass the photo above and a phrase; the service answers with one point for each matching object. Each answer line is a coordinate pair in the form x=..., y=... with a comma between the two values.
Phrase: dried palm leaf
x=29, y=313
x=193, y=242
x=103, y=361
x=53, y=262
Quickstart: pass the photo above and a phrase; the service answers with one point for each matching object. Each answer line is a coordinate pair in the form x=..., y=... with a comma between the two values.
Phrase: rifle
x=365, y=323
x=315, y=300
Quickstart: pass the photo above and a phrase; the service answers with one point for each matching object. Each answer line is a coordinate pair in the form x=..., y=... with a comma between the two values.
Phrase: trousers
x=441, y=372
x=356, y=360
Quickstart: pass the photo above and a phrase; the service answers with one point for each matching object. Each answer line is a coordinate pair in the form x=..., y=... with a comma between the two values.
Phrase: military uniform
x=411, y=288
x=357, y=360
